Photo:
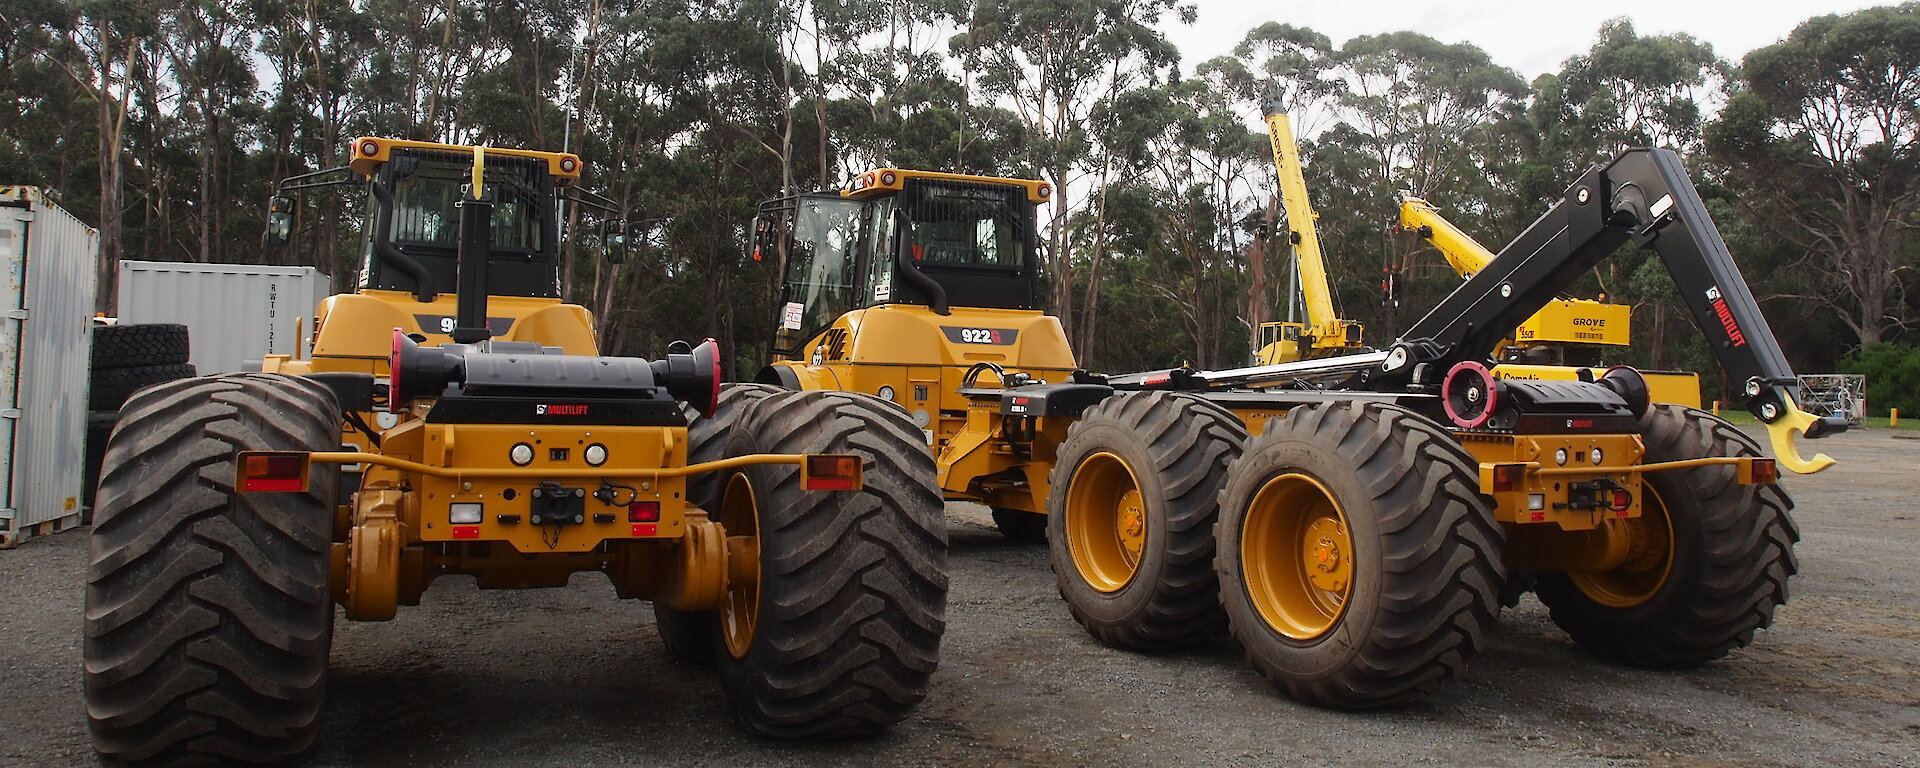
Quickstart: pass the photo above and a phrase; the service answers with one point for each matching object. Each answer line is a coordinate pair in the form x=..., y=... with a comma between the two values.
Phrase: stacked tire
x=125, y=360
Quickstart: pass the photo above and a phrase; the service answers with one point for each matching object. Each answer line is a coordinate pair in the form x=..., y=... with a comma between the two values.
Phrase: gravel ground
x=575, y=677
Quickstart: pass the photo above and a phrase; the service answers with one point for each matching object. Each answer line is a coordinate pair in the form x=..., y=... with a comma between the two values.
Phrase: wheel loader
x=453, y=418
x=1354, y=521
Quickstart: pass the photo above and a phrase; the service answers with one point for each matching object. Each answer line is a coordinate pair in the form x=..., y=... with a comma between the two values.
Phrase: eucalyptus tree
x=1052, y=60
x=1636, y=90
x=1823, y=147
x=1275, y=66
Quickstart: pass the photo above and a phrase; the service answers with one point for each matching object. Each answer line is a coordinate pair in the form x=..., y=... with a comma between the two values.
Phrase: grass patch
x=1907, y=422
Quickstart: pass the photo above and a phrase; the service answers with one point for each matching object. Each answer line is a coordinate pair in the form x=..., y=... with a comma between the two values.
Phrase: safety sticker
x=790, y=319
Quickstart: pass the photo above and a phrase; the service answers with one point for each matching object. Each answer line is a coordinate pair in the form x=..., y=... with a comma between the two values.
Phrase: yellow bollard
x=1893, y=417
x=1716, y=407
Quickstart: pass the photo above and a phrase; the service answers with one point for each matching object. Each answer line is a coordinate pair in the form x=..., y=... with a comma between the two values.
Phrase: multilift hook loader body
x=1352, y=520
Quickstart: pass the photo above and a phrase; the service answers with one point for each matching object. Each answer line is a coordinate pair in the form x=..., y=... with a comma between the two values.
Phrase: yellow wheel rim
x=1106, y=522
x=1649, y=557
x=740, y=515
x=1297, y=556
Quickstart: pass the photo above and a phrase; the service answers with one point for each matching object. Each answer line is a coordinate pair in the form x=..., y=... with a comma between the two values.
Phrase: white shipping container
x=233, y=312
x=47, y=266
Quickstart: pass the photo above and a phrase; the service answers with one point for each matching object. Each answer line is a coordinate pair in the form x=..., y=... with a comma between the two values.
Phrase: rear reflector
x=272, y=471
x=830, y=472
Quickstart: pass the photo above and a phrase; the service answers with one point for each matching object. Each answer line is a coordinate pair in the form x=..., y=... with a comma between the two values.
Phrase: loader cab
x=894, y=236
x=415, y=231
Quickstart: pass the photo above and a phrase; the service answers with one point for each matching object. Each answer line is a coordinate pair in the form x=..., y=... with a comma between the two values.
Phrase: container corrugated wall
x=233, y=312
x=49, y=280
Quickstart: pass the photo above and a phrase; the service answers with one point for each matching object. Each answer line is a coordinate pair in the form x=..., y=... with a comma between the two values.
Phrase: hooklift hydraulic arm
x=1645, y=196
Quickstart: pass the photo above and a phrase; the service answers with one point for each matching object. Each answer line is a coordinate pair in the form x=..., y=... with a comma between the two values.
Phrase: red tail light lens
x=643, y=512
x=830, y=472
x=273, y=471
x=1507, y=477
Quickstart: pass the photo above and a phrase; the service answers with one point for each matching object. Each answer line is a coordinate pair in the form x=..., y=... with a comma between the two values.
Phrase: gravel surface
x=575, y=677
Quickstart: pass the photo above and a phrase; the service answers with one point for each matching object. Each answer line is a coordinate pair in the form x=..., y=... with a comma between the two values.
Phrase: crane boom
x=1325, y=332
x=1301, y=220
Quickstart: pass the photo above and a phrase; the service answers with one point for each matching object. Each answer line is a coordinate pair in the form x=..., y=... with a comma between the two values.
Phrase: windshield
x=968, y=224
x=820, y=268
x=425, y=211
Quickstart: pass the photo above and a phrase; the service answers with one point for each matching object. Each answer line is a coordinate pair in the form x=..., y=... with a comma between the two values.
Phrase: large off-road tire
x=1710, y=558
x=1359, y=565
x=111, y=387
x=693, y=636
x=139, y=345
x=841, y=631
x=1020, y=526
x=1130, y=522
x=208, y=618
x=99, y=428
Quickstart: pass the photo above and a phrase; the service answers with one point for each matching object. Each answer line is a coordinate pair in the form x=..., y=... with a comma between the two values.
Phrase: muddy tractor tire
x=692, y=636
x=1130, y=522
x=840, y=632
x=208, y=616
x=1359, y=565
x=1710, y=558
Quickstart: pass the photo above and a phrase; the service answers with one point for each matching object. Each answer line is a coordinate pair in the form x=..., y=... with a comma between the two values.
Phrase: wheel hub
x=1326, y=563
x=1132, y=522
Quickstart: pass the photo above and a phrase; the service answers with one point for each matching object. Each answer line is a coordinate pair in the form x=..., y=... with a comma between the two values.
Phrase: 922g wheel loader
x=453, y=419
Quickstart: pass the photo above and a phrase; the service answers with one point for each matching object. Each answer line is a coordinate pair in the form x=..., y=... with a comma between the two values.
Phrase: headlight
x=521, y=454
x=1596, y=455
x=595, y=455
x=1560, y=457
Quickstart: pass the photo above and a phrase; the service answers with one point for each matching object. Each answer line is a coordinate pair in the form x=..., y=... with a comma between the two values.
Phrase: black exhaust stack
x=476, y=248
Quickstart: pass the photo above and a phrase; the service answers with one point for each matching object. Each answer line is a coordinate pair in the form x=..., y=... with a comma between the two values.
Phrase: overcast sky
x=1530, y=36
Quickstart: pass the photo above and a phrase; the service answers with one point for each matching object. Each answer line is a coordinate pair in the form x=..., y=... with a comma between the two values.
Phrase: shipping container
x=233, y=312
x=47, y=257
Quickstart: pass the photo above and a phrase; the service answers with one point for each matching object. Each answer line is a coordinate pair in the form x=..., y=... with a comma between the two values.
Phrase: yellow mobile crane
x=1325, y=333
x=1538, y=346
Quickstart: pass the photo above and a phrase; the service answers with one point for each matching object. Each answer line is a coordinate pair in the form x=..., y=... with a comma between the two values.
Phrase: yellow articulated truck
x=1351, y=520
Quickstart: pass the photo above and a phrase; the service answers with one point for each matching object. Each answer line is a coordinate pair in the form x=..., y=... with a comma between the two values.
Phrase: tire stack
x=127, y=359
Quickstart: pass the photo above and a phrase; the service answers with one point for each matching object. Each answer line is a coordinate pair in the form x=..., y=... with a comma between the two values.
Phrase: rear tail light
x=1503, y=478
x=1760, y=472
x=643, y=512
x=830, y=472
x=1621, y=499
x=272, y=471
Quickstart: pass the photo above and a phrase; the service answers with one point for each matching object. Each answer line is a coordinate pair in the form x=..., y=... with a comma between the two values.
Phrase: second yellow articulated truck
x=1351, y=520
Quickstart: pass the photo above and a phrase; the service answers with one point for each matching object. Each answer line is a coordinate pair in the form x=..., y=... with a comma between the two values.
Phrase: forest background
x=167, y=123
